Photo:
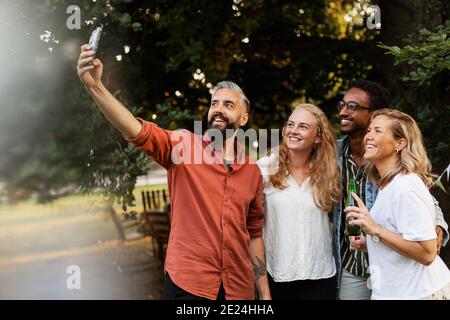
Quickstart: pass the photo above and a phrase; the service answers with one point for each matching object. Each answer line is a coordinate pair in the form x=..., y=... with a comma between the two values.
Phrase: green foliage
x=429, y=57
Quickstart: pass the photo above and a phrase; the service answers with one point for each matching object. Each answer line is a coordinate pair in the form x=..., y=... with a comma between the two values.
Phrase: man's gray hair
x=233, y=86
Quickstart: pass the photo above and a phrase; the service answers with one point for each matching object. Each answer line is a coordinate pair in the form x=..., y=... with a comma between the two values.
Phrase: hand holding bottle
x=351, y=230
x=358, y=243
x=360, y=216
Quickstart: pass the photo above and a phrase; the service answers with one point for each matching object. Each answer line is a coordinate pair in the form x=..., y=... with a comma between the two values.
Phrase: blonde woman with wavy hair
x=400, y=231
x=302, y=181
x=412, y=158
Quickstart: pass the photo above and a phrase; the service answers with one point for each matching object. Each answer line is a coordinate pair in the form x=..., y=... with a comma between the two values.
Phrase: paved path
x=38, y=244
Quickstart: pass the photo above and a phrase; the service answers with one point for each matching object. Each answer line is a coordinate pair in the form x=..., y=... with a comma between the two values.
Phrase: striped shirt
x=353, y=261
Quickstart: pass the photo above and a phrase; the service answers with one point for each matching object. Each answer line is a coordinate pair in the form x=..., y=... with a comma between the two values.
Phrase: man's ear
x=244, y=119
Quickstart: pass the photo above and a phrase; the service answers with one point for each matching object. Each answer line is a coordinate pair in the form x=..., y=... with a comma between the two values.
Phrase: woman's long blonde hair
x=324, y=168
x=412, y=158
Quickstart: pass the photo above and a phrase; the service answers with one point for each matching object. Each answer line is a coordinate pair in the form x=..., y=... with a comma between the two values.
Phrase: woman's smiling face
x=300, y=132
x=379, y=140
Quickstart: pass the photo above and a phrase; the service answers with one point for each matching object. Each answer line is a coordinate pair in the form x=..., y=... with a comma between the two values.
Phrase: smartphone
x=95, y=39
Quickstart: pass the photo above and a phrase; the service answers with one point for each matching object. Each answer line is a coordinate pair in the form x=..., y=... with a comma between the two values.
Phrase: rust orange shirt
x=214, y=213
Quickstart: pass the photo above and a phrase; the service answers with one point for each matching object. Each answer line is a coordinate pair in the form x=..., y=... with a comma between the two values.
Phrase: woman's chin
x=369, y=156
x=291, y=146
x=296, y=147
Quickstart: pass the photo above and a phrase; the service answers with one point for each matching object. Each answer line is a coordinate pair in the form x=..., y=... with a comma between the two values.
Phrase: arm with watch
x=423, y=252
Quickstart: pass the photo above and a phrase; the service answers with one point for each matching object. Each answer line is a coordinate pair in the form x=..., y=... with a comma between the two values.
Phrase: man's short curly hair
x=378, y=95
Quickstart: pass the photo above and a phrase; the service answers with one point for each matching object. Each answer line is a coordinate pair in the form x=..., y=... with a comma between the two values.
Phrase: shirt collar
x=241, y=157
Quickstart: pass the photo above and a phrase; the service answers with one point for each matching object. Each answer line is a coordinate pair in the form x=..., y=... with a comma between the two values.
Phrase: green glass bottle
x=351, y=230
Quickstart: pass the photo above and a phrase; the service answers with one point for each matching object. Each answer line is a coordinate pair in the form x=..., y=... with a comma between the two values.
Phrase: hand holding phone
x=95, y=39
x=86, y=61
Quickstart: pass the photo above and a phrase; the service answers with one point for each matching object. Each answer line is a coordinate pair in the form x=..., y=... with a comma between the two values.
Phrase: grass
x=30, y=209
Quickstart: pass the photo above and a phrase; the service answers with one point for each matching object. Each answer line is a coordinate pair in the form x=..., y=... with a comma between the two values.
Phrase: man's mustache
x=219, y=115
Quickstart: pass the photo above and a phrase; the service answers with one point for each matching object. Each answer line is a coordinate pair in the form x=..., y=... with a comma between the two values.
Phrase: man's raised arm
x=90, y=72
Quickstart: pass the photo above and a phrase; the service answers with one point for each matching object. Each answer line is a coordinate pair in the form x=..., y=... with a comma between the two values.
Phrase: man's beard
x=230, y=127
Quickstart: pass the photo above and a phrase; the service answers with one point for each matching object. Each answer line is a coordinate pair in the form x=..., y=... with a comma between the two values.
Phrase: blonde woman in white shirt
x=401, y=237
x=302, y=181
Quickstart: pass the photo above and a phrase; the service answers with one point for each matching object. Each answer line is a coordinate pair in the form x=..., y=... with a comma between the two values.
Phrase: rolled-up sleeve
x=255, y=218
x=154, y=141
x=440, y=221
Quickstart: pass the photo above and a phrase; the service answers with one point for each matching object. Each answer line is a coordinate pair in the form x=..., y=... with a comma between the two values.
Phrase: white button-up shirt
x=296, y=233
